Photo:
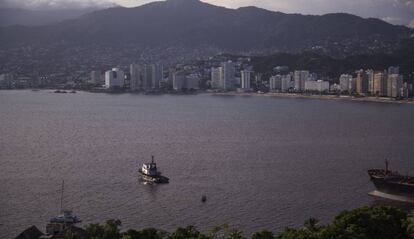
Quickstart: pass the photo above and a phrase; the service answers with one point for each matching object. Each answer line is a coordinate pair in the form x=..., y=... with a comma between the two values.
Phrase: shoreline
x=270, y=94
x=320, y=97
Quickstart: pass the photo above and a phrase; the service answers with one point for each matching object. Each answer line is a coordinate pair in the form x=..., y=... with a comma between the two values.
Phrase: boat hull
x=154, y=179
x=392, y=183
x=385, y=186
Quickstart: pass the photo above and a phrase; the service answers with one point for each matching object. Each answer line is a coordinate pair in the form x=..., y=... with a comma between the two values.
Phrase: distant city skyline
x=399, y=12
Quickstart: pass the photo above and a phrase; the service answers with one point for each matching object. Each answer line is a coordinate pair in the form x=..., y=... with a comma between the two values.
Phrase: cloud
x=393, y=11
x=411, y=24
x=393, y=20
x=407, y=3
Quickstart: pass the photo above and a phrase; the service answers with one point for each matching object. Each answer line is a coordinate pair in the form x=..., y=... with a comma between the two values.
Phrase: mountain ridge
x=193, y=23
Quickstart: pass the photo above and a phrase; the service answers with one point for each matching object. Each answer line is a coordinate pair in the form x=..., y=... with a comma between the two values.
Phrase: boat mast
x=61, y=196
x=386, y=166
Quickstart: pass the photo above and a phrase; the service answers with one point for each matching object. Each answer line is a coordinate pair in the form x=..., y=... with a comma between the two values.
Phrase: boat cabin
x=150, y=169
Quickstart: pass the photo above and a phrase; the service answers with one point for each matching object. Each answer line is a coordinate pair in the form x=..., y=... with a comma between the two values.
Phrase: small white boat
x=66, y=217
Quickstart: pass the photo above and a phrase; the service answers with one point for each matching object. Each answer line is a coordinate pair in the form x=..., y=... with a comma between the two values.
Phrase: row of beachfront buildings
x=234, y=76
x=387, y=83
x=146, y=77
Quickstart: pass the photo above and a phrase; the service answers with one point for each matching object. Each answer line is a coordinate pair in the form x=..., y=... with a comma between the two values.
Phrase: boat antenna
x=152, y=158
x=61, y=196
x=386, y=166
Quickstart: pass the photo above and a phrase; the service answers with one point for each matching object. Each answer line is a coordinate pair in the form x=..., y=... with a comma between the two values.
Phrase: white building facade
x=114, y=78
x=223, y=77
x=394, y=85
x=246, y=77
x=182, y=81
x=135, y=71
x=287, y=83
x=229, y=72
x=179, y=81
x=152, y=75
x=275, y=83
x=216, y=75
x=346, y=83
x=300, y=77
x=318, y=86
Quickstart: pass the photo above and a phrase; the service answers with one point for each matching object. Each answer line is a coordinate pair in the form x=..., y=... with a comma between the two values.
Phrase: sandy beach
x=324, y=97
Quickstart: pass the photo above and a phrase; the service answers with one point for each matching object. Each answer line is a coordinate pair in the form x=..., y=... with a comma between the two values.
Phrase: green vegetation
x=326, y=66
x=376, y=222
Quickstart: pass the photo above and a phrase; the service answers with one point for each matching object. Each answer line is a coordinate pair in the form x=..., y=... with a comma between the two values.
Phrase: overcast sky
x=393, y=11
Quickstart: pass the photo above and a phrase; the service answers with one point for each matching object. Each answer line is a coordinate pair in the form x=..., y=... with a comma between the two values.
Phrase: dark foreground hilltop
x=376, y=222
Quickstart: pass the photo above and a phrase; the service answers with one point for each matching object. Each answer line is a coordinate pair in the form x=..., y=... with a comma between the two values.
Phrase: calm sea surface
x=263, y=162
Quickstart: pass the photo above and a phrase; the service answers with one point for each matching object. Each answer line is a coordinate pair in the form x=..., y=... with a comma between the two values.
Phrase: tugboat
x=392, y=183
x=150, y=173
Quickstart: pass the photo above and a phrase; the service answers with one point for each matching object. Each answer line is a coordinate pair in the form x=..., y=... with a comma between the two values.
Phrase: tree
x=312, y=224
x=263, y=235
x=409, y=225
x=219, y=231
x=235, y=234
x=110, y=230
x=148, y=233
x=290, y=233
x=69, y=235
x=131, y=234
x=225, y=232
x=189, y=232
x=377, y=222
x=95, y=231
